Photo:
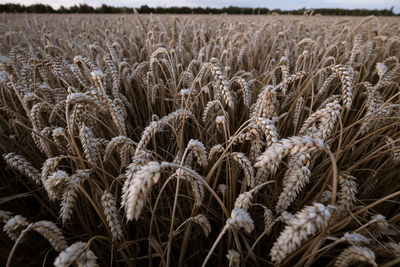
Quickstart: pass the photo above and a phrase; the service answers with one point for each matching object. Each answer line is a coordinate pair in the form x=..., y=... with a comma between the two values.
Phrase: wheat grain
x=49, y=166
x=294, y=183
x=216, y=149
x=136, y=100
x=268, y=128
x=378, y=225
x=138, y=161
x=265, y=105
x=380, y=69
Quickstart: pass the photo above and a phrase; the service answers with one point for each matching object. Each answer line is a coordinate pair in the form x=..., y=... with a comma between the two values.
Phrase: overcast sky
x=271, y=4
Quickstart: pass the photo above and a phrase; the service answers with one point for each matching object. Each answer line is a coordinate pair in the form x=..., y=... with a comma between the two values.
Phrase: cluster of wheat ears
x=199, y=140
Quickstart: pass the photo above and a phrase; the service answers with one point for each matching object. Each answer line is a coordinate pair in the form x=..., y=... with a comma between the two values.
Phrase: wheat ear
x=247, y=167
x=355, y=254
x=239, y=219
x=76, y=253
x=142, y=182
x=52, y=233
x=202, y=221
x=347, y=193
x=198, y=150
x=14, y=225
x=234, y=258
x=22, y=165
x=305, y=223
x=69, y=195
x=56, y=183
x=271, y=158
x=345, y=74
x=110, y=210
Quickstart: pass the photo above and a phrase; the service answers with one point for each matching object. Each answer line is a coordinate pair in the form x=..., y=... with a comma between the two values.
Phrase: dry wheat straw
x=394, y=249
x=239, y=219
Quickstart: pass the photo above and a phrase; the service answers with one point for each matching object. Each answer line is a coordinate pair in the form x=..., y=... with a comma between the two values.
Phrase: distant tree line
x=83, y=8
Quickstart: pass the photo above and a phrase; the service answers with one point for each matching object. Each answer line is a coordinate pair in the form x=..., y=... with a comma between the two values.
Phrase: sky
x=271, y=4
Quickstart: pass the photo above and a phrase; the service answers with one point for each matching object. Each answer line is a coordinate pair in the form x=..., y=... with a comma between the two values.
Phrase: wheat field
x=169, y=140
